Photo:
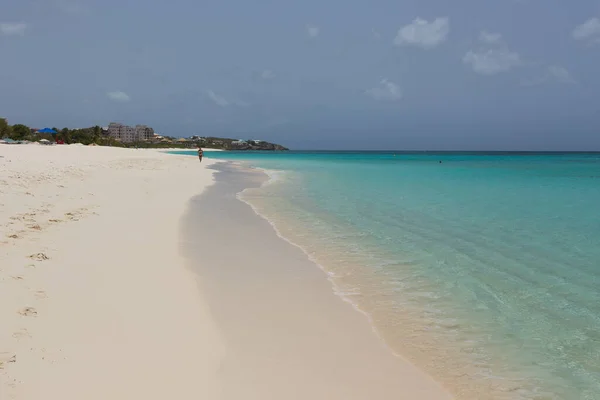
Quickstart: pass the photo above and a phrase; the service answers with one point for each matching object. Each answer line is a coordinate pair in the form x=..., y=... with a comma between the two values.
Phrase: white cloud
x=492, y=61
x=313, y=31
x=267, y=74
x=493, y=57
x=423, y=34
x=13, y=29
x=118, y=96
x=218, y=100
x=589, y=30
x=553, y=73
x=490, y=38
x=386, y=90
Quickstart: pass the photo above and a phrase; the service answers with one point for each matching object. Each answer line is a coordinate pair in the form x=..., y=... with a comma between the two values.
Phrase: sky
x=327, y=74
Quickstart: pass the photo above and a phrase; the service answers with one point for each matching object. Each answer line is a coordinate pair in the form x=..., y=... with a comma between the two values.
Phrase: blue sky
x=379, y=74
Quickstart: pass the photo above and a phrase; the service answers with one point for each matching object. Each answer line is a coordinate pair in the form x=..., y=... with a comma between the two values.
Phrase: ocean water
x=482, y=269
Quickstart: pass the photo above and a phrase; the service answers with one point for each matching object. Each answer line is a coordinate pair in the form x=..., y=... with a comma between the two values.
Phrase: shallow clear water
x=483, y=269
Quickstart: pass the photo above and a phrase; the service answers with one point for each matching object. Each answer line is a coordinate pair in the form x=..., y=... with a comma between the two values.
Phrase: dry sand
x=117, y=281
x=95, y=298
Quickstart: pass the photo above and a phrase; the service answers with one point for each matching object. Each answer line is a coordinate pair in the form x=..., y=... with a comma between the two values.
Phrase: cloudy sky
x=378, y=74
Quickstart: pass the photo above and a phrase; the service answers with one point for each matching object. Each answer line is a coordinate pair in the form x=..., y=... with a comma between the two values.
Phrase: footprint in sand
x=14, y=236
x=21, y=334
x=17, y=277
x=71, y=216
x=35, y=227
x=28, y=312
x=6, y=358
x=55, y=220
x=39, y=257
x=40, y=294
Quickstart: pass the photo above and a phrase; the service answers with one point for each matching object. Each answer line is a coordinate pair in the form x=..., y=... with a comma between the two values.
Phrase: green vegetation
x=5, y=130
x=83, y=136
x=97, y=136
x=19, y=132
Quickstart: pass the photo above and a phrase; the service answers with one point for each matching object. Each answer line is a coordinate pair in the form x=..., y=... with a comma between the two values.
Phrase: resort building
x=128, y=134
x=143, y=132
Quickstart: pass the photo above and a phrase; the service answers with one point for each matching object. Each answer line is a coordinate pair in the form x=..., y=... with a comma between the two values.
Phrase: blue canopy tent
x=47, y=130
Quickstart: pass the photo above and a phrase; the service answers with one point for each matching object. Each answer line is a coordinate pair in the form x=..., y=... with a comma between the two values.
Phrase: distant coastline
x=118, y=135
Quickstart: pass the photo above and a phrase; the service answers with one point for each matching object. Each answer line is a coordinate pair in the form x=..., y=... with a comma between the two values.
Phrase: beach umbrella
x=47, y=130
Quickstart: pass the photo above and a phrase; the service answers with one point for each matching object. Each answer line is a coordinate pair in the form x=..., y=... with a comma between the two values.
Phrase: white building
x=114, y=130
x=128, y=134
x=143, y=132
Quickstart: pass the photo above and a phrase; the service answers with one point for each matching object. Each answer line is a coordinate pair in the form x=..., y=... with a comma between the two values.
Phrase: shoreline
x=272, y=176
x=461, y=380
x=337, y=319
x=328, y=275
x=461, y=364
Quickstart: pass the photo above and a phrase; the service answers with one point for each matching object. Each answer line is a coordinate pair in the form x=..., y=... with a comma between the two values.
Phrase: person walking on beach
x=200, y=153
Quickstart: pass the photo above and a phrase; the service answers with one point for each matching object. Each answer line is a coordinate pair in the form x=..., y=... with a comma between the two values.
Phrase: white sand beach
x=102, y=295
x=95, y=298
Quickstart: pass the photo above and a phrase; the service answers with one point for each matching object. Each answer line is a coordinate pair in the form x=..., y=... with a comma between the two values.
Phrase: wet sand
x=287, y=335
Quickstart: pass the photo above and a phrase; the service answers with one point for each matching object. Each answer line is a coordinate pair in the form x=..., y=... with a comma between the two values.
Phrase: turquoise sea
x=482, y=269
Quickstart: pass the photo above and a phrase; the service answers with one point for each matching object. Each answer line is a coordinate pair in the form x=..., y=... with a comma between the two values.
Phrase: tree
x=5, y=130
x=83, y=136
x=64, y=135
x=97, y=134
x=20, y=132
